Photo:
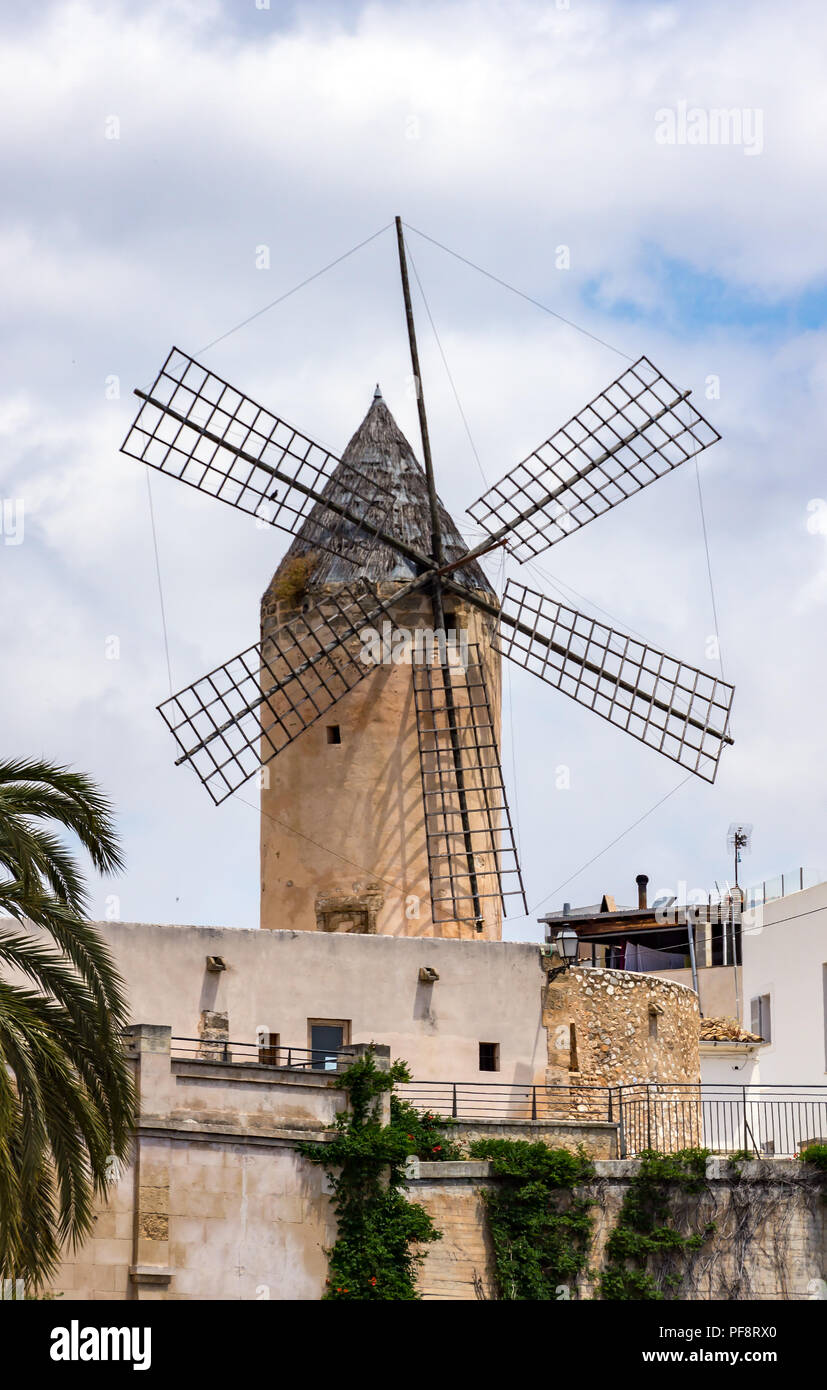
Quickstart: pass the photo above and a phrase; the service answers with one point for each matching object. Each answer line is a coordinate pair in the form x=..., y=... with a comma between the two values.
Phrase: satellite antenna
x=738, y=839
x=196, y=427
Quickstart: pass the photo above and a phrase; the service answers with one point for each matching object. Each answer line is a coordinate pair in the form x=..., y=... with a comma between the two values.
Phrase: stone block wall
x=770, y=1241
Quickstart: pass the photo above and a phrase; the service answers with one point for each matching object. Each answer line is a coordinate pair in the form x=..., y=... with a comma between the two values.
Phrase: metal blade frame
x=194, y=426
x=238, y=717
x=464, y=719
x=674, y=708
x=638, y=429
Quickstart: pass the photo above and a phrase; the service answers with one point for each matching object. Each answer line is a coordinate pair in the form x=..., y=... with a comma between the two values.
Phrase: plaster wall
x=277, y=980
x=785, y=957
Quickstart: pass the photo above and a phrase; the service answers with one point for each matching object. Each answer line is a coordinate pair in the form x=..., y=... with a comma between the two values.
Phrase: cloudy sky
x=158, y=155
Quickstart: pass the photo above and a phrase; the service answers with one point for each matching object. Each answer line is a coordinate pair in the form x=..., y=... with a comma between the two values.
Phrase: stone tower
x=343, y=844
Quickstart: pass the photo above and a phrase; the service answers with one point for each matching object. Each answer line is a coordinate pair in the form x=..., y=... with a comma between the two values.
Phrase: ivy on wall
x=643, y=1233
x=376, y=1254
x=540, y=1229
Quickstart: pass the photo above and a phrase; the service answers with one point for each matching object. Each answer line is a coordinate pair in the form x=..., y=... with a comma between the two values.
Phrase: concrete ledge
x=538, y=1126
x=464, y=1169
x=150, y=1274
x=157, y=1127
x=717, y=1170
x=254, y=1073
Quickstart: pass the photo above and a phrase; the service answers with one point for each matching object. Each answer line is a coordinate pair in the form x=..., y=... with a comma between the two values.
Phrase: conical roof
x=380, y=451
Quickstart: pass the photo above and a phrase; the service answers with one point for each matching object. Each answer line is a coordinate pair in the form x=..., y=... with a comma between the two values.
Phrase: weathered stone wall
x=613, y=1027
x=770, y=1242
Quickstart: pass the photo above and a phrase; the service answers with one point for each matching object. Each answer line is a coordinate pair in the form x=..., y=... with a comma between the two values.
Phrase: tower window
x=334, y=733
x=489, y=1056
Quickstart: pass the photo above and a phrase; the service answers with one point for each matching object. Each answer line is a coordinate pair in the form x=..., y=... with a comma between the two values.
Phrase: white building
x=784, y=975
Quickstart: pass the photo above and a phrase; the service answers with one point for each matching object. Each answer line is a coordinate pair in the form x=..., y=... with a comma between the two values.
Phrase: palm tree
x=66, y=1092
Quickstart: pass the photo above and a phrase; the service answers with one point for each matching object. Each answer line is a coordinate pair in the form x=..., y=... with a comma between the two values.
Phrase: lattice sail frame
x=678, y=710
x=237, y=718
x=450, y=698
x=195, y=426
x=637, y=430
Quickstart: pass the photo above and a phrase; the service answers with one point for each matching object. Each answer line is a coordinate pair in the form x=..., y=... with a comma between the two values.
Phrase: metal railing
x=292, y=1058
x=500, y=1102
x=791, y=881
x=765, y=1120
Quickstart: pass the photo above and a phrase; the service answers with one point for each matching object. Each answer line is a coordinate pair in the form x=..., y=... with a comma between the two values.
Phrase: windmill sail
x=669, y=706
x=196, y=427
x=242, y=714
x=472, y=855
x=637, y=430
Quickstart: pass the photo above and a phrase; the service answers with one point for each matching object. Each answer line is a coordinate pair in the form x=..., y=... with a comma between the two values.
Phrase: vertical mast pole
x=436, y=524
x=438, y=556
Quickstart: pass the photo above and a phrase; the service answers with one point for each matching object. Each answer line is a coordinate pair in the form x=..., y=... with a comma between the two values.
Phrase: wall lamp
x=567, y=942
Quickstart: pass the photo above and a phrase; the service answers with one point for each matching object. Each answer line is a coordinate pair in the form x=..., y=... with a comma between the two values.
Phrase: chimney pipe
x=642, y=882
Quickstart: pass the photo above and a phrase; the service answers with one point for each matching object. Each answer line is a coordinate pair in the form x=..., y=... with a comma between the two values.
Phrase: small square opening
x=489, y=1056
x=334, y=733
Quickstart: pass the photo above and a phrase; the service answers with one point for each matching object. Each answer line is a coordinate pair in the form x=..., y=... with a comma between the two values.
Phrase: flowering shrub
x=424, y=1134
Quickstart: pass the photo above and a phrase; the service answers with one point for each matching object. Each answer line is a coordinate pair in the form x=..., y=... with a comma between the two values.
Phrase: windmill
x=236, y=720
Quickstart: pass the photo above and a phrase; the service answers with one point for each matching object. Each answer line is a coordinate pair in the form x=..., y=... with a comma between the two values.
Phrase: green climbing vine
x=376, y=1254
x=540, y=1229
x=643, y=1231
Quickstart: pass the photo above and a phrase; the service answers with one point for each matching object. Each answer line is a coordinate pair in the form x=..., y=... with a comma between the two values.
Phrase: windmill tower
x=356, y=854
x=383, y=801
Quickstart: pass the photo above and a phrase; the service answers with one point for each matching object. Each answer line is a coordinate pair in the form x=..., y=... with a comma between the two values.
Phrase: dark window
x=268, y=1049
x=489, y=1056
x=334, y=733
x=326, y=1039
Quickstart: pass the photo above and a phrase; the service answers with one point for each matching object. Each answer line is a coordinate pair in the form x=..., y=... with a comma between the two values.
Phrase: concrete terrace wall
x=216, y=1203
